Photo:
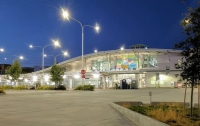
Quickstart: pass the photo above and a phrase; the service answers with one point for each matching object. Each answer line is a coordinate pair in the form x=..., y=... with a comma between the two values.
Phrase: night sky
x=154, y=23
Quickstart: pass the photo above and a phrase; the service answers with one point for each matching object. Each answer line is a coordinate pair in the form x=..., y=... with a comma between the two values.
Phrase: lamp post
x=64, y=54
x=66, y=15
x=55, y=43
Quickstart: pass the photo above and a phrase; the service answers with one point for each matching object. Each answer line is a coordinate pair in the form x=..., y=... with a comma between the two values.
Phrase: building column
x=109, y=62
x=70, y=83
x=104, y=82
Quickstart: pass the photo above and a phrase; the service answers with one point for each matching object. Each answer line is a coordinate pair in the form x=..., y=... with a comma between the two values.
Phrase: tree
x=14, y=71
x=191, y=49
x=56, y=74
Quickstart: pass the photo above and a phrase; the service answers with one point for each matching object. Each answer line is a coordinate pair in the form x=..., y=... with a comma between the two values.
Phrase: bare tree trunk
x=191, y=104
x=198, y=98
x=185, y=95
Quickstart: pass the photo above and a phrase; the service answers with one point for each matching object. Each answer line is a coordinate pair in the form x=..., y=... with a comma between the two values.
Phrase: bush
x=60, y=87
x=85, y=87
x=44, y=87
x=6, y=87
x=2, y=91
x=20, y=87
x=79, y=88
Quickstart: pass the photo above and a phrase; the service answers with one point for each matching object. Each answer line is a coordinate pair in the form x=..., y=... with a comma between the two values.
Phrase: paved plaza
x=76, y=108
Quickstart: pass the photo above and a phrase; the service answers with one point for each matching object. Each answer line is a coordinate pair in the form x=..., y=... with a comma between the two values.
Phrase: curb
x=137, y=118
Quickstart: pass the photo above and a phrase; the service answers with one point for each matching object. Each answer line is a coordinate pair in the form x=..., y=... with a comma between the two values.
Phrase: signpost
x=150, y=94
x=83, y=73
x=167, y=70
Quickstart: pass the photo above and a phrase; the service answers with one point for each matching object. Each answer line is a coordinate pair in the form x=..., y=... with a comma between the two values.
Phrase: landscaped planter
x=137, y=118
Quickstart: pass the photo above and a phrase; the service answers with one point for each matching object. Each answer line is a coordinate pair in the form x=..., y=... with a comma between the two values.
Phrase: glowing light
x=65, y=53
x=122, y=48
x=76, y=76
x=187, y=21
x=97, y=28
x=56, y=42
x=31, y=46
x=1, y=49
x=21, y=57
x=34, y=78
x=163, y=77
x=95, y=50
x=46, y=78
x=96, y=75
x=65, y=14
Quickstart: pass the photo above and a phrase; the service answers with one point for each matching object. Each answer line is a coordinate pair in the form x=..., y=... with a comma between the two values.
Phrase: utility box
x=134, y=84
x=124, y=84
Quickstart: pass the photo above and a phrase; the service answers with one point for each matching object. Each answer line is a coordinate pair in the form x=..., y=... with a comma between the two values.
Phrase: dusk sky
x=154, y=23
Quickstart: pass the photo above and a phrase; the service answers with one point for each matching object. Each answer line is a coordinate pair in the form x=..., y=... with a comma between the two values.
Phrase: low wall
x=137, y=118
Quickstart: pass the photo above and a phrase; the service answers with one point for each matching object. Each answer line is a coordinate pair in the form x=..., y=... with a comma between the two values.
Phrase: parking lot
x=76, y=108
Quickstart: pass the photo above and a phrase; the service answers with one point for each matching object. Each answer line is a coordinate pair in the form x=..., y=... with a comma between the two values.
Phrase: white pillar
x=70, y=84
x=104, y=82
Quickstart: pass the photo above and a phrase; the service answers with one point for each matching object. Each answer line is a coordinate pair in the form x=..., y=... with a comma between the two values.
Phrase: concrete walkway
x=75, y=108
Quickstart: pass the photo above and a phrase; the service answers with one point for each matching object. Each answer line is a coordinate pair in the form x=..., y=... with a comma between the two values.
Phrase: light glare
x=21, y=57
x=76, y=76
x=96, y=75
x=65, y=53
x=65, y=14
x=1, y=49
x=56, y=43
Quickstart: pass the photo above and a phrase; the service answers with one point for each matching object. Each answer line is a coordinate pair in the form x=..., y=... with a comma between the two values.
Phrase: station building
x=138, y=67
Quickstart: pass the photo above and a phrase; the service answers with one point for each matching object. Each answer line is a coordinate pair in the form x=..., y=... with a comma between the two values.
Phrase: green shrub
x=45, y=87
x=6, y=87
x=20, y=87
x=60, y=87
x=85, y=87
x=2, y=91
x=80, y=87
x=139, y=109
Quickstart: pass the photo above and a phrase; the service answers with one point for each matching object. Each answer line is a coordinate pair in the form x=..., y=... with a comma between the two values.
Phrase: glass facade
x=124, y=62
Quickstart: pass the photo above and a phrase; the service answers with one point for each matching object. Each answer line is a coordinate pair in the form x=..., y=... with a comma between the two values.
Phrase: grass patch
x=172, y=114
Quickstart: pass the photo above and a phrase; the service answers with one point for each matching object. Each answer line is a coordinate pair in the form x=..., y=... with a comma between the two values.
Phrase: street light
x=17, y=57
x=1, y=50
x=66, y=15
x=55, y=43
x=64, y=54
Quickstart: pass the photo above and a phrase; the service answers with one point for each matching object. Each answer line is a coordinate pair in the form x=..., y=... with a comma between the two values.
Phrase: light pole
x=64, y=54
x=55, y=43
x=66, y=15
